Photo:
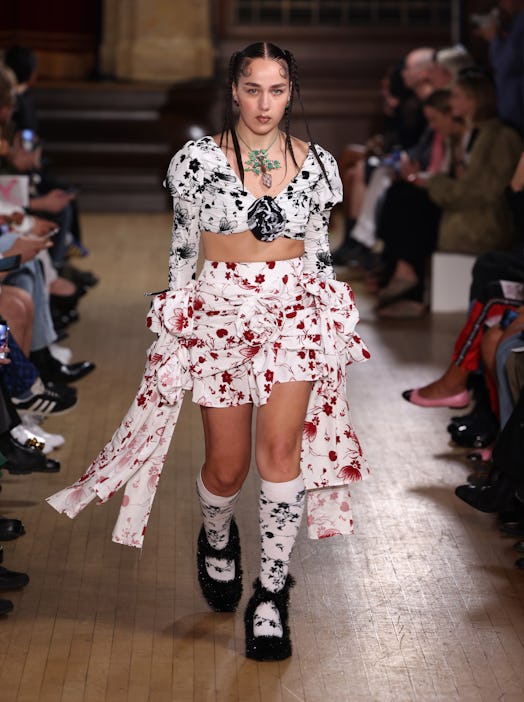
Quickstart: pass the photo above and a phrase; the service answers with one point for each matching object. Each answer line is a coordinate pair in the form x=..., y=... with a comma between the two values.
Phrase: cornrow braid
x=293, y=77
x=228, y=125
x=295, y=87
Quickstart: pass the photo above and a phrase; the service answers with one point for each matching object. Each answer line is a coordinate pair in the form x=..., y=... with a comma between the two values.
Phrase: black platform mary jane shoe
x=221, y=595
x=268, y=648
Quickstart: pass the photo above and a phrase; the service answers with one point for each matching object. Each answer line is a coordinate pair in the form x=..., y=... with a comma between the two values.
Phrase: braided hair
x=238, y=64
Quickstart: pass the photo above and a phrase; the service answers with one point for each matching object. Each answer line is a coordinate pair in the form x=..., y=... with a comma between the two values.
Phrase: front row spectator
x=489, y=358
x=474, y=215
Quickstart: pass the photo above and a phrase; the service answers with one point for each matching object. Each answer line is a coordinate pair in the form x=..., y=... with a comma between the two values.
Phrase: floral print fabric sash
x=331, y=453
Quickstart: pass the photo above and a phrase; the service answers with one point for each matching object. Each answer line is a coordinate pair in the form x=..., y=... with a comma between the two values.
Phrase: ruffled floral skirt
x=229, y=336
x=253, y=325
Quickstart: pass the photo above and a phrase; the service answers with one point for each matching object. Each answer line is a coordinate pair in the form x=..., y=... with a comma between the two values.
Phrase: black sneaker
x=45, y=400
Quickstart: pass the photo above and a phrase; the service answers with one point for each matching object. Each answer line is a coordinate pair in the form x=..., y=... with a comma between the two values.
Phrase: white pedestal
x=450, y=281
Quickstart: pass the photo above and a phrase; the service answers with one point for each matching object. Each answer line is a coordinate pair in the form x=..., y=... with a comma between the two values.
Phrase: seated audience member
x=443, y=70
x=447, y=64
x=18, y=458
x=504, y=339
x=402, y=91
x=505, y=34
x=475, y=216
x=502, y=490
x=48, y=199
x=22, y=61
x=408, y=220
x=30, y=277
x=492, y=294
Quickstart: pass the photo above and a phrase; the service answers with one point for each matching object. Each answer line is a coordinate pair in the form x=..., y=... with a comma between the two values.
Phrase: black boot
x=496, y=495
x=268, y=648
x=221, y=596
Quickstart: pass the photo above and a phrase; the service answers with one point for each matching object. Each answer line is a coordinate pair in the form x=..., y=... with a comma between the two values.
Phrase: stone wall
x=157, y=40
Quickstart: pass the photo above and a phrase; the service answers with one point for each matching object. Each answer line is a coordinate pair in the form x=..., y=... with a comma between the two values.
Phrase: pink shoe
x=458, y=401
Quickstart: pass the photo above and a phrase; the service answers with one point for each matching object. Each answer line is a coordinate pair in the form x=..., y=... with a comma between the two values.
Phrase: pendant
x=267, y=180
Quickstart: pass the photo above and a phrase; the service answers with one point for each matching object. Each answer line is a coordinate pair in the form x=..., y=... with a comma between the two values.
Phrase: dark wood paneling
x=340, y=70
x=114, y=140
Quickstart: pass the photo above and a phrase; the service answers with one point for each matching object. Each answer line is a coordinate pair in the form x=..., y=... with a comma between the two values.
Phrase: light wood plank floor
x=422, y=603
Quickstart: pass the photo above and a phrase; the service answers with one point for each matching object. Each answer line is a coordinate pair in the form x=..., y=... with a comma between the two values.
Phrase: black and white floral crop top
x=209, y=196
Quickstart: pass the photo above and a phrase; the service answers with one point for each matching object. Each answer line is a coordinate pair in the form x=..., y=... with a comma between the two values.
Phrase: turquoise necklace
x=259, y=163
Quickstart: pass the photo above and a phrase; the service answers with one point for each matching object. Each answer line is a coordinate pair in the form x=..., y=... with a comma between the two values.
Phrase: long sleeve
x=185, y=182
x=317, y=256
x=493, y=160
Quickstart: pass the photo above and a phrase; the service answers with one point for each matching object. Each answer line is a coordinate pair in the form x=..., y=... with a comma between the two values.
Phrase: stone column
x=157, y=40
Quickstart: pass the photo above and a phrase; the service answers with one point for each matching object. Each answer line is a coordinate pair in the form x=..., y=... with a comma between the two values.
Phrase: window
x=363, y=13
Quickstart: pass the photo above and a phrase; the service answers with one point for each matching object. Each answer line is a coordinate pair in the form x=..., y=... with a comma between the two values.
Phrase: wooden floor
x=422, y=603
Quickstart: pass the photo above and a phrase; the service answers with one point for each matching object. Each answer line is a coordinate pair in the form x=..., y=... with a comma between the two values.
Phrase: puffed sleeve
x=326, y=194
x=184, y=181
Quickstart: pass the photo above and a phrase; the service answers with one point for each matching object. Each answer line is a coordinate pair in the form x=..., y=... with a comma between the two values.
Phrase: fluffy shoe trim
x=269, y=648
x=221, y=596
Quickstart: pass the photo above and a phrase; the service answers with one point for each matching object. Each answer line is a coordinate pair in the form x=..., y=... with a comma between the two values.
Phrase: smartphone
x=4, y=338
x=10, y=263
x=28, y=139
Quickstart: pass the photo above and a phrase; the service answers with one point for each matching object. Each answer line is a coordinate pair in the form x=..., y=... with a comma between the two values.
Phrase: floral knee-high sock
x=217, y=512
x=281, y=509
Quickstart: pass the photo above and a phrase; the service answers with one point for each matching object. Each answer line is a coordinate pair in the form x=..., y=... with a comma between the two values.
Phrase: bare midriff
x=244, y=248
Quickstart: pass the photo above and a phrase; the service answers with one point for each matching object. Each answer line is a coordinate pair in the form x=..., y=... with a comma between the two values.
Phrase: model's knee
x=222, y=478
x=280, y=454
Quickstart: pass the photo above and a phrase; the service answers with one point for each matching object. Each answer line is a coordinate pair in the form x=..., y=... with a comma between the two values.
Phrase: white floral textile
x=229, y=337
